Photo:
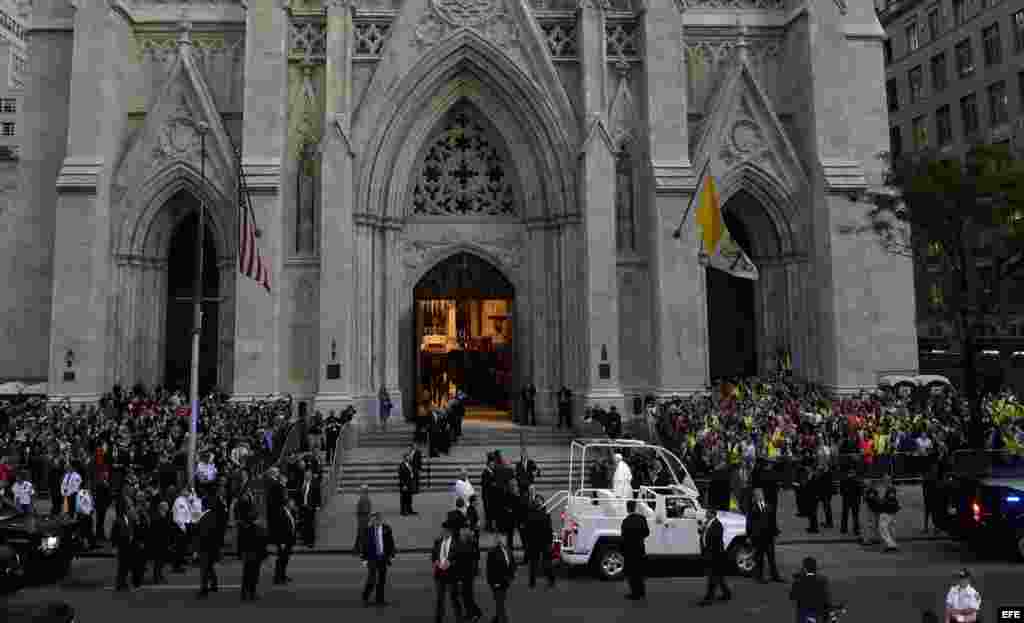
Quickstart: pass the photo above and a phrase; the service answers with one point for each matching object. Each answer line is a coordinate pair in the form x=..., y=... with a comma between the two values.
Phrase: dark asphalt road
x=878, y=588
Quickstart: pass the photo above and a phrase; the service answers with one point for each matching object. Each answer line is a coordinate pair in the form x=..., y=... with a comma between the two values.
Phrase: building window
x=8, y=105
x=626, y=230
x=998, y=104
x=895, y=142
x=939, y=77
x=944, y=126
x=892, y=95
x=916, y=79
x=993, y=46
x=1018, y=31
x=959, y=12
x=936, y=297
x=7, y=128
x=913, y=36
x=934, y=25
x=887, y=51
x=919, y=126
x=964, y=58
x=969, y=114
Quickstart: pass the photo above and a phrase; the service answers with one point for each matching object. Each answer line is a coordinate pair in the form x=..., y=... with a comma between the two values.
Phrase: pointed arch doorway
x=181, y=263
x=732, y=321
x=464, y=337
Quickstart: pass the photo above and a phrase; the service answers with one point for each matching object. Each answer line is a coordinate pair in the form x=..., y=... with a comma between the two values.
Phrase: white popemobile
x=592, y=518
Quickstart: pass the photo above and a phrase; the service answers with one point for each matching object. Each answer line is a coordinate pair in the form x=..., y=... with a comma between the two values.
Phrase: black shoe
x=202, y=594
x=705, y=602
x=841, y=531
x=813, y=531
x=214, y=589
x=727, y=597
x=381, y=602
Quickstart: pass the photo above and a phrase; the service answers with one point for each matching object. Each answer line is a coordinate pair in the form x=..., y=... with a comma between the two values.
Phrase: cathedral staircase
x=375, y=461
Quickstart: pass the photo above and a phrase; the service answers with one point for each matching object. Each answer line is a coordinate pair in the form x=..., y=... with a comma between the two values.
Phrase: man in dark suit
x=309, y=503
x=277, y=496
x=125, y=540
x=851, y=490
x=762, y=528
x=252, y=547
x=826, y=491
x=501, y=570
x=285, y=539
x=406, y=486
x=416, y=462
x=715, y=558
x=526, y=473
x=634, y=532
x=487, y=492
x=530, y=405
x=445, y=581
x=466, y=567
x=565, y=407
x=378, y=550
x=210, y=543
x=538, y=534
x=811, y=593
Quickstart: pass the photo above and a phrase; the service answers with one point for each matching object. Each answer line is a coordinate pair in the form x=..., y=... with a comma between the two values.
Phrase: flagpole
x=696, y=191
x=197, y=311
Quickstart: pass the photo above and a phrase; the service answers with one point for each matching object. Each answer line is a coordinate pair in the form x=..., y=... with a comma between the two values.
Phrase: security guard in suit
x=285, y=539
x=634, y=531
x=713, y=543
x=762, y=528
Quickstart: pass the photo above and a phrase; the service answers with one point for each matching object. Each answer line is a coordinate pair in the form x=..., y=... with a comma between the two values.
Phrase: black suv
x=45, y=546
x=984, y=499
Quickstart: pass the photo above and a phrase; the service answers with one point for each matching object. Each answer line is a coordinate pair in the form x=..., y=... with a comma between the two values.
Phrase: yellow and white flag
x=716, y=243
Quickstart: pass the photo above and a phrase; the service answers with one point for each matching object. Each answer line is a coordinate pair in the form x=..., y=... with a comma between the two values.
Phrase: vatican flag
x=717, y=245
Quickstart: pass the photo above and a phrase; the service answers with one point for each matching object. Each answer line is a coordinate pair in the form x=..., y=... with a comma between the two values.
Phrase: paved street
x=878, y=588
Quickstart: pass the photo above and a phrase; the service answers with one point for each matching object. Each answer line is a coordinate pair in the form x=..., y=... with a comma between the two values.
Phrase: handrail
x=344, y=436
x=557, y=499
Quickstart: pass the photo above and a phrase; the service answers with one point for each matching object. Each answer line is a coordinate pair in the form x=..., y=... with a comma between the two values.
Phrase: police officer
x=851, y=490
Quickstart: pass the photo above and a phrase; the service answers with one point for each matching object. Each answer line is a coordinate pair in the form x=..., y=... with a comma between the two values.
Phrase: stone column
x=258, y=366
x=395, y=301
x=337, y=240
x=597, y=187
x=539, y=369
x=863, y=297
x=678, y=278
x=83, y=265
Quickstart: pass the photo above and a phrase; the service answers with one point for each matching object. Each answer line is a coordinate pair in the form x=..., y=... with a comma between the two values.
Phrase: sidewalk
x=337, y=520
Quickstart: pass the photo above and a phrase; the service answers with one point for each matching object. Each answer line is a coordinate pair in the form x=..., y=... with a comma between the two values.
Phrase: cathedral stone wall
x=590, y=121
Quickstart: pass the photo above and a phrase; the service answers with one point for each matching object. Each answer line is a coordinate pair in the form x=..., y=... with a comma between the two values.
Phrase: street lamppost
x=197, y=309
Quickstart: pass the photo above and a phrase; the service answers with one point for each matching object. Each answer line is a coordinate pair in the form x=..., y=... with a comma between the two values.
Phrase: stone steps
x=439, y=476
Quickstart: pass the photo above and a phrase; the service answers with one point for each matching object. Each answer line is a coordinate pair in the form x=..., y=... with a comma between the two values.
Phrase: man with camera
x=811, y=593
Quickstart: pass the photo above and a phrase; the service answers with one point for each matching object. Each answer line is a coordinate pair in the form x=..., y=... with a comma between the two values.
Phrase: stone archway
x=750, y=322
x=464, y=336
x=142, y=268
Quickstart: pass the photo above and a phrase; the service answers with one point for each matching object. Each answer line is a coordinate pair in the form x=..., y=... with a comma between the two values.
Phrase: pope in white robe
x=622, y=479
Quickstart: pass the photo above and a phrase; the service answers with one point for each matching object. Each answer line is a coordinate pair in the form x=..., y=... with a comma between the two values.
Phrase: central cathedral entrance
x=464, y=337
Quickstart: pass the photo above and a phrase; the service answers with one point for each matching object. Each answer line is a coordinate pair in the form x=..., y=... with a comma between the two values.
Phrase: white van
x=590, y=533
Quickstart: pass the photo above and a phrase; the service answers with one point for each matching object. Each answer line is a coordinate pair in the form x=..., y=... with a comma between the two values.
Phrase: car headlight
x=50, y=543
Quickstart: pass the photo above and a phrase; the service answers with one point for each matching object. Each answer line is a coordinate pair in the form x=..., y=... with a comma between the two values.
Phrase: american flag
x=250, y=260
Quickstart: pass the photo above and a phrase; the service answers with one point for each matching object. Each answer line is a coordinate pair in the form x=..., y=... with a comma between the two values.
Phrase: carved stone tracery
x=489, y=17
x=507, y=249
x=622, y=39
x=307, y=40
x=561, y=38
x=463, y=173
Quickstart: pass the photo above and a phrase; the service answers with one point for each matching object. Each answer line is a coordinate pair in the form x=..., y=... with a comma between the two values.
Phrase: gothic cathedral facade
x=554, y=143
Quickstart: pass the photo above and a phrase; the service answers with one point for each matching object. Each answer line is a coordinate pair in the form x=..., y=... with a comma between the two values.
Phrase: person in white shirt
x=622, y=480
x=182, y=516
x=84, y=509
x=463, y=488
x=23, y=493
x=69, y=487
x=962, y=601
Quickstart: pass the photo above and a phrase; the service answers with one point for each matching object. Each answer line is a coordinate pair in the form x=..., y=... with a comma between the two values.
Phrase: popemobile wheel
x=1020, y=545
x=742, y=556
x=610, y=563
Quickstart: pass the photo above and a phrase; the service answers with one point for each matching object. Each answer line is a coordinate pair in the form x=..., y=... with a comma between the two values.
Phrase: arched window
x=625, y=214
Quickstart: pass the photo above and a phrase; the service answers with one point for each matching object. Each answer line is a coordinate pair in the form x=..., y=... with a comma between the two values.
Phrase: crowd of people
x=782, y=419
